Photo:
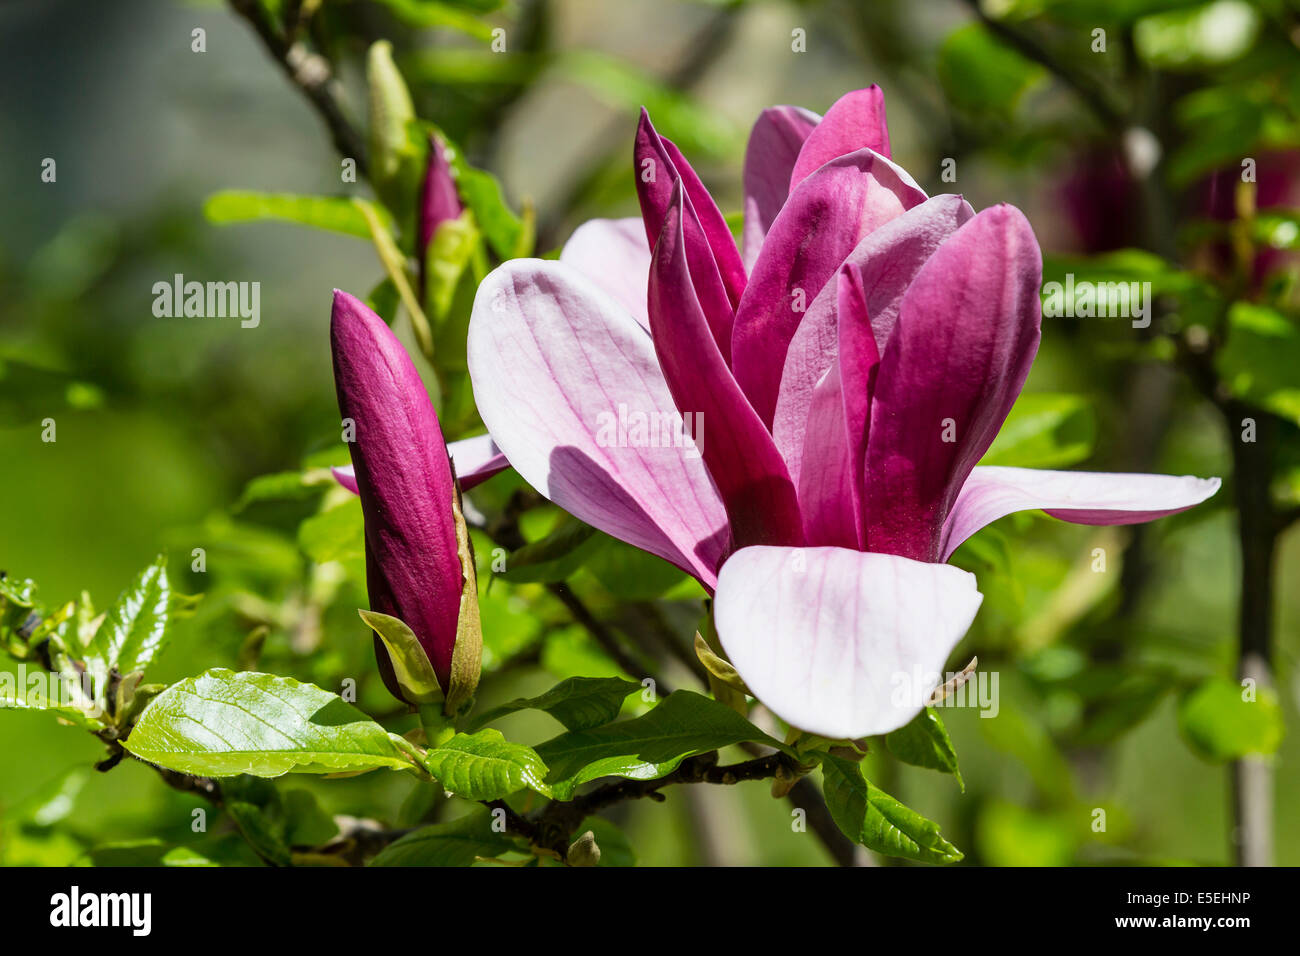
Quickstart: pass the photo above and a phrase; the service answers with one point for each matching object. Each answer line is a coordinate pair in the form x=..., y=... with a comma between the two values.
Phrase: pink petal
x=614, y=254
x=838, y=642
x=346, y=476
x=1084, y=497
x=475, y=460
x=554, y=360
x=821, y=223
x=856, y=121
x=966, y=335
x=737, y=448
x=716, y=269
x=886, y=262
x=831, y=482
x=774, y=144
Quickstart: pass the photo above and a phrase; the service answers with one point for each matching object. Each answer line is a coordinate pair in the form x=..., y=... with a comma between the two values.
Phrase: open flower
x=851, y=367
x=414, y=569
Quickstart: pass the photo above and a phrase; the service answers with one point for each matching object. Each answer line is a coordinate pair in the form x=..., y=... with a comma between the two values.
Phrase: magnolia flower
x=404, y=478
x=852, y=366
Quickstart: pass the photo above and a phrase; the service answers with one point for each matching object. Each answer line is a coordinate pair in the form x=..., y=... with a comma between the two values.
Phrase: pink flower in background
x=851, y=368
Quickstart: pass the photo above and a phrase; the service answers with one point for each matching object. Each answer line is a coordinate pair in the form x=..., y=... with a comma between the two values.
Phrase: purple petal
x=402, y=473
x=831, y=481
x=856, y=121
x=716, y=269
x=1084, y=497
x=886, y=262
x=560, y=374
x=824, y=219
x=774, y=144
x=966, y=335
x=737, y=448
x=614, y=254
x=475, y=460
x=839, y=642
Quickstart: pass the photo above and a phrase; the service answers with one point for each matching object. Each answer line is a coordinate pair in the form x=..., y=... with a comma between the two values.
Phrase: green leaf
x=32, y=699
x=579, y=703
x=645, y=748
x=693, y=127
x=869, y=816
x=632, y=574
x=925, y=743
x=1204, y=36
x=982, y=74
x=507, y=234
x=1045, y=430
x=221, y=724
x=412, y=668
x=553, y=558
x=1260, y=358
x=332, y=213
x=394, y=263
x=455, y=843
x=486, y=766
x=426, y=13
x=284, y=486
x=336, y=534
x=149, y=852
x=135, y=628
x=1010, y=835
x=1220, y=724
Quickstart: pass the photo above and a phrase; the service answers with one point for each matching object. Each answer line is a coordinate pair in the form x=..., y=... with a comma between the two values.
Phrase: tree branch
x=312, y=74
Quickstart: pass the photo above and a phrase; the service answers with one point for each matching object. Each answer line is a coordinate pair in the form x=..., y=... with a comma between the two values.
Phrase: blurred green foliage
x=1117, y=704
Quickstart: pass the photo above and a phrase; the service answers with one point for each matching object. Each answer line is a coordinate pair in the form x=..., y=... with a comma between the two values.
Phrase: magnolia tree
x=779, y=415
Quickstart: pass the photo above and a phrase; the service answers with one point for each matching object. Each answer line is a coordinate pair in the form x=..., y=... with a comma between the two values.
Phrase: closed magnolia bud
x=413, y=564
x=584, y=851
x=439, y=200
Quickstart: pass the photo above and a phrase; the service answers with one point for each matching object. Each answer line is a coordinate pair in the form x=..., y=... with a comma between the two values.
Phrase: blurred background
x=1124, y=150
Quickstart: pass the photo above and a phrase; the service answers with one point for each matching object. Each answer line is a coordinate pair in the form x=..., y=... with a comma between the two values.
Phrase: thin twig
x=312, y=74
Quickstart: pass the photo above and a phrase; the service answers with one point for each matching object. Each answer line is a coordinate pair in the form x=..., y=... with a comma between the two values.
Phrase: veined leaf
x=925, y=743
x=486, y=766
x=135, y=628
x=223, y=723
x=31, y=701
x=645, y=748
x=869, y=816
x=579, y=703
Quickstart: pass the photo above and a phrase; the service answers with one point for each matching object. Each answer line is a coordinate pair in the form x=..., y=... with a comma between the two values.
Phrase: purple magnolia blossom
x=402, y=472
x=852, y=367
